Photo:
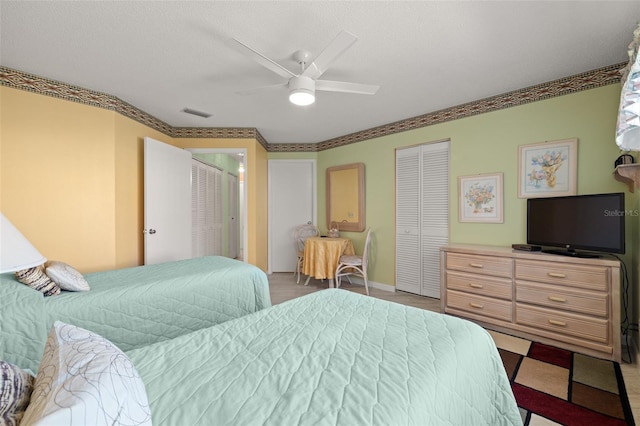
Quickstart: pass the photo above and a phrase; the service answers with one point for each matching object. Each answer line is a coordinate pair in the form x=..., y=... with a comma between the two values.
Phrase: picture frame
x=548, y=169
x=481, y=198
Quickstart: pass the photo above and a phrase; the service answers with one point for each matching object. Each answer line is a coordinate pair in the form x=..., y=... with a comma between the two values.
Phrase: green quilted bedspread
x=132, y=307
x=332, y=357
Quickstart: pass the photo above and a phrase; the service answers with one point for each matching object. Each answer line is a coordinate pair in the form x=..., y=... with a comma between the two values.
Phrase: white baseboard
x=372, y=284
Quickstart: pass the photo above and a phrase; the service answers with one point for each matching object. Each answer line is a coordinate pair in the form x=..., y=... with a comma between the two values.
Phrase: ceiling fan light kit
x=302, y=87
x=302, y=91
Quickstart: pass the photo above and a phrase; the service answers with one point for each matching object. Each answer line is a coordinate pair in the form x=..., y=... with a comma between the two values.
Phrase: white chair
x=300, y=235
x=355, y=265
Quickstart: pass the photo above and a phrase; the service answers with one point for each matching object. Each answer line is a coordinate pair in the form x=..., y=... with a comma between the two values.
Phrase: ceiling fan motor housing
x=302, y=90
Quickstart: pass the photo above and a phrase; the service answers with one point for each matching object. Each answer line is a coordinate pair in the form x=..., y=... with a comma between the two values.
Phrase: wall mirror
x=345, y=197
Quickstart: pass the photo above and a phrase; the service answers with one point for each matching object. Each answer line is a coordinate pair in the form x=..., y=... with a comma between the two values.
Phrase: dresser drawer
x=477, y=264
x=566, y=298
x=574, y=325
x=479, y=305
x=583, y=276
x=479, y=284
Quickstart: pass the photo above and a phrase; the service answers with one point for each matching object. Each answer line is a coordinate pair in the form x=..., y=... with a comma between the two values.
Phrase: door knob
x=150, y=231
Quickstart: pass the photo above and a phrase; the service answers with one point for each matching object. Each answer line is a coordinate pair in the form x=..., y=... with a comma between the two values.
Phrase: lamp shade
x=16, y=252
x=628, y=128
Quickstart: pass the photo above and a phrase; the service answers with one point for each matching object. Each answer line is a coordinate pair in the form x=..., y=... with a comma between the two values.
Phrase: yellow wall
x=71, y=180
x=58, y=179
x=262, y=202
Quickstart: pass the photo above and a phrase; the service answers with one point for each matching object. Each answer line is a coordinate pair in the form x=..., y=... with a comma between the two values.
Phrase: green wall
x=486, y=143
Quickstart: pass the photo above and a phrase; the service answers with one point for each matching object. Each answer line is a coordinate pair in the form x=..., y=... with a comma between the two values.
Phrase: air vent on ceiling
x=196, y=112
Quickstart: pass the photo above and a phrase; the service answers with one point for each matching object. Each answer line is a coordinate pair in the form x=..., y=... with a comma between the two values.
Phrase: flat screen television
x=580, y=222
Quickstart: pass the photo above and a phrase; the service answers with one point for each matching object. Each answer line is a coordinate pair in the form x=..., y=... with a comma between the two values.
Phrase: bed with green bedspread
x=332, y=357
x=132, y=307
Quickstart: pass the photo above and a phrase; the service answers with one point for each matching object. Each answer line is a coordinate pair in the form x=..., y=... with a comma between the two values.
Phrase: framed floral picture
x=548, y=169
x=480, y=198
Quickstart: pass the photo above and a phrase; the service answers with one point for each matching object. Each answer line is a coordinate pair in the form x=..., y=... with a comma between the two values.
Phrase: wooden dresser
x=568, y=302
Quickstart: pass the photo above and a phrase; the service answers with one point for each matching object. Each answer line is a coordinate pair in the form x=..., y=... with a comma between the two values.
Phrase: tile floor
x=284, y=287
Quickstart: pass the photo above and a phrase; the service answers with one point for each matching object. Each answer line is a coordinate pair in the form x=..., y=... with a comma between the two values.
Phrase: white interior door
x=167, y=202
x=292, y=202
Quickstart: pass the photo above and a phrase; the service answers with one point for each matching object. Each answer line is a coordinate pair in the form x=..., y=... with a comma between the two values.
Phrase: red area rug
x=567, y=388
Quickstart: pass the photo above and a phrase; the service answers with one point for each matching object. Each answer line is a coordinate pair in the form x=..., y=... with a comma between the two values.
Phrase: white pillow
x=66, y=276
x=84, y=379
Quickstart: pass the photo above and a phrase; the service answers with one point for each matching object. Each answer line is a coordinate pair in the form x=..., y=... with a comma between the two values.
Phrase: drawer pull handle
x=474, y=285
x=557, y=299
x=557, y=275
x=476, y=305
x=560, y=323
x=476, y=265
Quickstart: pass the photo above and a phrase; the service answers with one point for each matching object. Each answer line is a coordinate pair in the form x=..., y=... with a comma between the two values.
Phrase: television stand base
x=573, y=254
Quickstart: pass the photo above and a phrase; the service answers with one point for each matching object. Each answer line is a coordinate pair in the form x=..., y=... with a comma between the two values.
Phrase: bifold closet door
x=434, y=214
x=422, y=216
x=206, y=210
x=408, y=169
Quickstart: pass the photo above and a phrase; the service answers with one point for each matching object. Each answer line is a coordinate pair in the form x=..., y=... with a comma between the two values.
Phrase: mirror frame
x=347, y=226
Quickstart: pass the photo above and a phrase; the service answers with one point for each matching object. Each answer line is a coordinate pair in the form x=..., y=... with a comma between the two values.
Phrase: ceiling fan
x=302, y=86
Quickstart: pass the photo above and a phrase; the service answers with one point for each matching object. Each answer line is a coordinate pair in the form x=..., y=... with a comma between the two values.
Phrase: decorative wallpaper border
x=564, y=86
x=219, y=132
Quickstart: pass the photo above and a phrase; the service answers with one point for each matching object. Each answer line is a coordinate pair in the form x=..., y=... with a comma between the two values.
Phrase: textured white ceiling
x=165, y=56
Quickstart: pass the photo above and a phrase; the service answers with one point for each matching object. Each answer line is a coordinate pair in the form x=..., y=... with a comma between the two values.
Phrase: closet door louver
x=408, y=220
x=434, y=214
x=422, y=216
x=206, y=210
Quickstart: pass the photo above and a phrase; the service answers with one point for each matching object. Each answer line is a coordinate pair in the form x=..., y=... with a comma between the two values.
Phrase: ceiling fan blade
x=337, y=47
x=261, y=88
x=345, y=87
x=260, y=58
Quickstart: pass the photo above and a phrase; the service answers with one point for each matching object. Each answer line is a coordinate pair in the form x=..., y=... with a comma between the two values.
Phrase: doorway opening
x=232, y=163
